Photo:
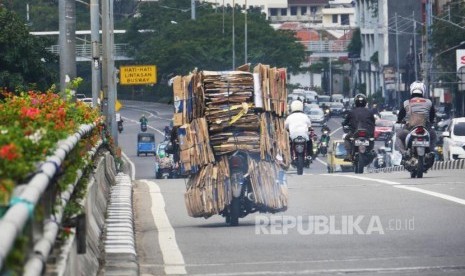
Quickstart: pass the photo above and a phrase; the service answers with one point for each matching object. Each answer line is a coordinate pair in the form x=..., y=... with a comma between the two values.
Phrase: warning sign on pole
x=138, y=74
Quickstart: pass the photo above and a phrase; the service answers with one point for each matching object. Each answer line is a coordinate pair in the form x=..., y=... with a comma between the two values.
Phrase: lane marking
x=133, y=167
x=321, y=161
x=406, y=187
x=344, y=271
x=336, y=130
x=148, y=126
x=172, y=256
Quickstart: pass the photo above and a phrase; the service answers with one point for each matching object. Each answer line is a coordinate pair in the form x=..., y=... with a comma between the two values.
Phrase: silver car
x=316, y=115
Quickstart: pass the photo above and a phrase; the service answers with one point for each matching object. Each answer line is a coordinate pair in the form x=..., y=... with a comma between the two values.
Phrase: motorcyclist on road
x=415, y=112
x=299, y=124
x=357, y=118
x=143, y=119
x=325, y=127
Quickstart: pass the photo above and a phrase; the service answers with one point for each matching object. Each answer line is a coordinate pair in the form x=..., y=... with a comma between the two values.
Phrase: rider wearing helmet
x=358, y=117
x=143, y=119
x=416, y=111
x=298, y=124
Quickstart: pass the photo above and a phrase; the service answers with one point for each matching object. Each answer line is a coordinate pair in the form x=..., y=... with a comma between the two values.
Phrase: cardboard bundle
x=194, y=144
x=208, y=191
x=269, y=186
x=274, y=140
x=273, y=88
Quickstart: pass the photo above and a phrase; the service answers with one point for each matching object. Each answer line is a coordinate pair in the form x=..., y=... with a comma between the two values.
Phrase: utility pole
x=415, y=44
x=95, y=38
x=109, y=77
x=429, y=22
x=193, y=9
x=397, y=64
x=245, y=34
x=233, y=39
x=67, y=41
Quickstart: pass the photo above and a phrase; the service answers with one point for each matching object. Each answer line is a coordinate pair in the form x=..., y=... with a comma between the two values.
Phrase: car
x=395, y=156
x=388, y=115
x=80, y=96
x=316, y=115
x=88, y=101
x=323, y=99
x=337, y=98
x=383, y=129
x=336, y=108
x=336, y=155
x=312, y=106
x=454, y=140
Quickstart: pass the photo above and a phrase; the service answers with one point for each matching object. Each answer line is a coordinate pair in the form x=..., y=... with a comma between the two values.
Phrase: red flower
x=9, y=152
x=30, y=112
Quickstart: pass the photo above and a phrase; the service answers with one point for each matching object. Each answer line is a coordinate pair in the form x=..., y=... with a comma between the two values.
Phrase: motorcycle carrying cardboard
x=219, y=116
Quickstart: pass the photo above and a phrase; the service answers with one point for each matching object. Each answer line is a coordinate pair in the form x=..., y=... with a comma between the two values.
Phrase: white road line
x=321, y=161
x=406, y=187
x=148, y=126
x=336, y=130
x=133, y=167
x=172, y=256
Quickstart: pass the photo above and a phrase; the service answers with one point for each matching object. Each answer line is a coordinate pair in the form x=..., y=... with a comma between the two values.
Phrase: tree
x=24, y=62
x=448, y=34
x=176, y=44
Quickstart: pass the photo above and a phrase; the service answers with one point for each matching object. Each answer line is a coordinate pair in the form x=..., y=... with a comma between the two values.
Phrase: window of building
x=273, y=12
x=345, y=19
x=303, y=10
x=283, y=12
x=293, y=11
x=335, y=18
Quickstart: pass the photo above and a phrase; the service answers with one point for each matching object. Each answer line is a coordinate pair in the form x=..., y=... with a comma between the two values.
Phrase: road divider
x=438, y=165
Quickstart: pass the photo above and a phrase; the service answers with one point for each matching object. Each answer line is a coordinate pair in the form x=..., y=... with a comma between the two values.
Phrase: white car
x=87, y=101
x=388, y=115
x=316, y=115
x=454, y=140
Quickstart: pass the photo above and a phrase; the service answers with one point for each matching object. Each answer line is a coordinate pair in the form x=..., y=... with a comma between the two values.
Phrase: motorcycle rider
x=358, y=117
x=415, y=112
x=298, y=124
x=143, y=119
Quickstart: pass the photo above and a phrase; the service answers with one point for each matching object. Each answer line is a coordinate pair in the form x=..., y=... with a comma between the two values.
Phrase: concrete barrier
x=438, y=165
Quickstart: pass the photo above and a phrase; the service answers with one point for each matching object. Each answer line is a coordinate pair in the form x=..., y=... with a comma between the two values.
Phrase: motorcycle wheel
x=413, y=174
x=359, y=164
x=300, y=164
x=420, y=166
x=234, y=212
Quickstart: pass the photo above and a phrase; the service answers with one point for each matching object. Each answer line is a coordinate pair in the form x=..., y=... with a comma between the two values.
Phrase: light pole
x=431, y=65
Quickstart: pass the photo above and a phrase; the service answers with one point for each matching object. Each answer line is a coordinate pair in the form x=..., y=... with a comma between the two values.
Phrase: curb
x=119, y=244
x=438, y=165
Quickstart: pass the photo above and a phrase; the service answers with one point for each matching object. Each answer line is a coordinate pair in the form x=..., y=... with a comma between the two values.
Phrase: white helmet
x=417, y=88
x=297, y=106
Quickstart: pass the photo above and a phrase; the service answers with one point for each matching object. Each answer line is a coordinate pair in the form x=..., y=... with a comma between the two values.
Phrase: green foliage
x=355, y=45
x=24, y=62
x=446, y=35
x=178, y=48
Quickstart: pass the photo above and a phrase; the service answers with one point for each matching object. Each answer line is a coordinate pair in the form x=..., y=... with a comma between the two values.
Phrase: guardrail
x=84, y=51
x=438, y=165
x=38, y=190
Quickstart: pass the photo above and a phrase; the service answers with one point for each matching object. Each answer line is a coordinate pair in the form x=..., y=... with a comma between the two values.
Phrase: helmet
x=417, y=88
x=360, y=100
x=297, y=106
x=161, y=154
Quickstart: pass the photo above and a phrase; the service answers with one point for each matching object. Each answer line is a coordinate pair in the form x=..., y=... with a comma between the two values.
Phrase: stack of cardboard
x=221, y=112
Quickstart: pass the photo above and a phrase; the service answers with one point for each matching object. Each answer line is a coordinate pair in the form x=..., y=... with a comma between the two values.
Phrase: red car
x=383, y=129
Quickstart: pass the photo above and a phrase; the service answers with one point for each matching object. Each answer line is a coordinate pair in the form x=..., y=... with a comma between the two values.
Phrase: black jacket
x=360, y=117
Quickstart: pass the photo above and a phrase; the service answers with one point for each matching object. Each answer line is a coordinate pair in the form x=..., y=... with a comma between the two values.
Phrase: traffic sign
x=138, y=74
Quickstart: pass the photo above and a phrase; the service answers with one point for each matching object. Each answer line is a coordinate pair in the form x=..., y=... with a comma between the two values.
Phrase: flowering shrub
x=31, y=124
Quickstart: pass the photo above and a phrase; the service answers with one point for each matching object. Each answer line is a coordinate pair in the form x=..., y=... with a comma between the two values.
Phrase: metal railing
x=327, y=46
x=37, y=191
x=84, y=51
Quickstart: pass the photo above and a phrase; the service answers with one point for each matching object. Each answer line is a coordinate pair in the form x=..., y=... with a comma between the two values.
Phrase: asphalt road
x=370, y=224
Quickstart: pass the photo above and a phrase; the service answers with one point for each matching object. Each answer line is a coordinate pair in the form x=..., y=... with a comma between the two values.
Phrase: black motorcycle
x=418, y=151
x=243, y=201
x=299, y=154
x=143, y=126
x=120, y=126
x=362, y=146
x=324, y=143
